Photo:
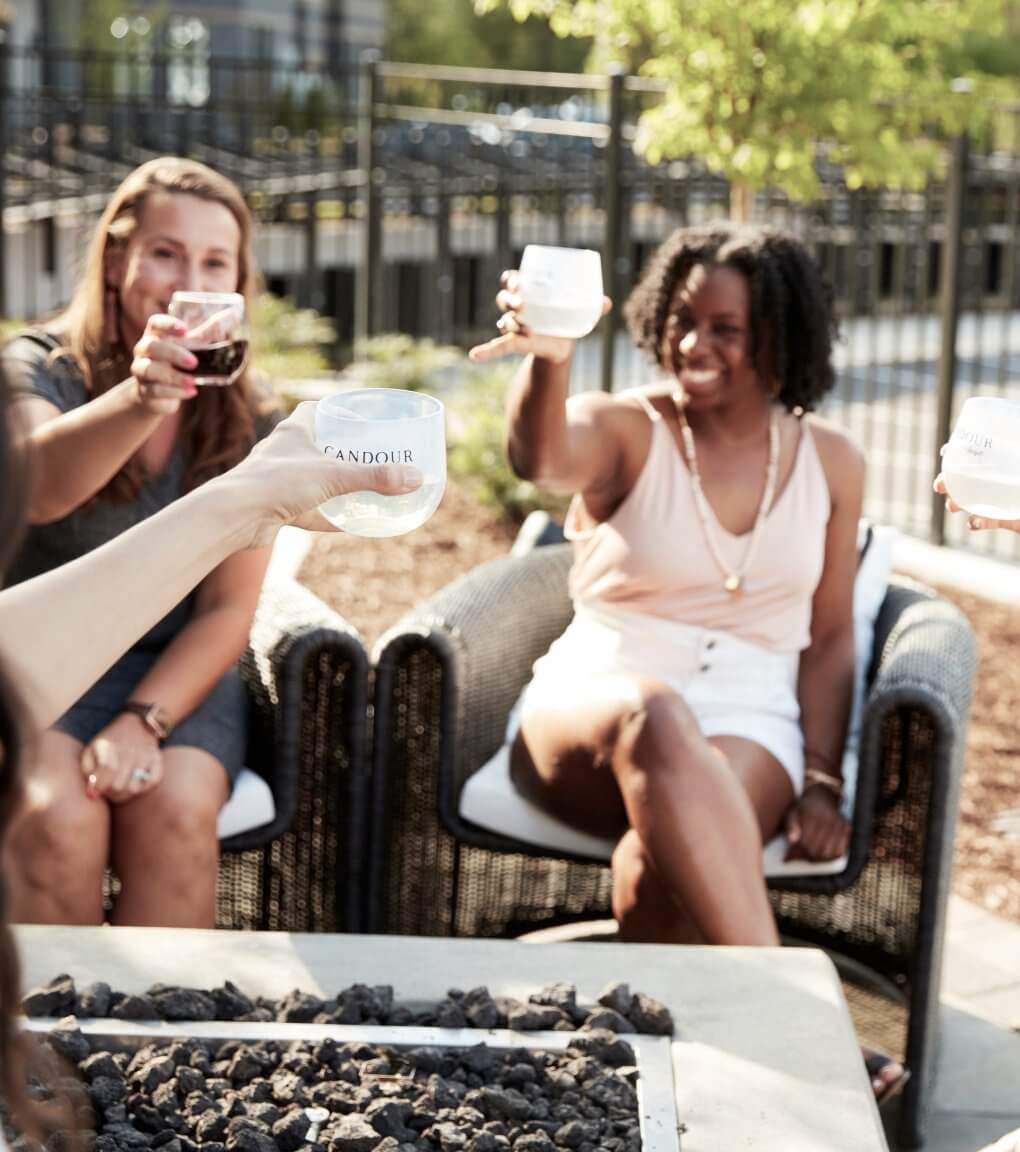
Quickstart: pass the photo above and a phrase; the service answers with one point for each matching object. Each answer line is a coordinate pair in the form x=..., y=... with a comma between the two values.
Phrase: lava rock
x=617, y=996
x=532, y=1017
x=231, y=1003
x=95, y=1000
x=603, y=1046
x=290, y=1130
x=66, y=1040
x=299, y=1008
x=481, y=1010
x=133, y=1008
x=609, y=1019
x=354, y=1134
x=650, y=1016
x=500, y=1103
x=182, y=1003
x=106, y=1091
x=389, y=1118
x=577, y=1132
x=56, y=998
x=100, y=1064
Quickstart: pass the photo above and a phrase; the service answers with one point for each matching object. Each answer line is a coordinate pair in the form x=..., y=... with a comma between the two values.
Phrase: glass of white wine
x=383, y=426
x=560, y=290
x=981, y=462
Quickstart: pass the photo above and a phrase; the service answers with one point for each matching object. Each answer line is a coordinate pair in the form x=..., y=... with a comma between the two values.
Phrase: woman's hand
x=515, y=338
x=286, y=478
x=123, y=761
x=975, y=523
x=815, y=828
x=161, y=366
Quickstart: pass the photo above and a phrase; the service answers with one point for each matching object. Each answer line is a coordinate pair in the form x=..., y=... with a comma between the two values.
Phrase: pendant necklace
x=733, y=578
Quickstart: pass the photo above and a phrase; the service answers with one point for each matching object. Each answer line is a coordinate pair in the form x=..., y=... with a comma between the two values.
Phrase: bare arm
x=59, y=632
x=562, y=445
x=214, y=638
x=75, y=454
x=827, y=666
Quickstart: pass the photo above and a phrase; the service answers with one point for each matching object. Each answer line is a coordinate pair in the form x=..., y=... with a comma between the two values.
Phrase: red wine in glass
x=219, y=363
x=217, y=334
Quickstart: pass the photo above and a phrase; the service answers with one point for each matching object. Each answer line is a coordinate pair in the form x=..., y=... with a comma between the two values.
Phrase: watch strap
x=152, y=716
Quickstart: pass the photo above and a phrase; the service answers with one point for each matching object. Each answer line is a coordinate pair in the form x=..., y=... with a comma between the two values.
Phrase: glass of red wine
x=217, y=333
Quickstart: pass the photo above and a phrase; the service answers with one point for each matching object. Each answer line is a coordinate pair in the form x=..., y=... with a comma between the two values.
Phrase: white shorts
x=732, y=687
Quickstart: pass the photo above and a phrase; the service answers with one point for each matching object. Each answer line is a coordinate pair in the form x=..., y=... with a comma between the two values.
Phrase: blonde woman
x=134, y=774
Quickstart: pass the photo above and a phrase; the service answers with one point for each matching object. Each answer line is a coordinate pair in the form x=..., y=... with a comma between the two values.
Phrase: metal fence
x=393, y=199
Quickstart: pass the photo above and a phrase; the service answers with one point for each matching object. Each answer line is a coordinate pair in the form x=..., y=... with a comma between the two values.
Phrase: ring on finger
x=141, y=776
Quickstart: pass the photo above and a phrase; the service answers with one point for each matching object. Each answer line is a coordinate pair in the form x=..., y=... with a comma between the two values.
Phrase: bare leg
x=642, y=904
x=165, y=849
x=58, y=844
x=699, y=810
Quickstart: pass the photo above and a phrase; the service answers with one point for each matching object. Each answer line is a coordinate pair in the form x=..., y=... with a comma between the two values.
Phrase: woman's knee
x=59, y=839
x=655, y=731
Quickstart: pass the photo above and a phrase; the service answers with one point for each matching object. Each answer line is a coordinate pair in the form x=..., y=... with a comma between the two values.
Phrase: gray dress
x=219, y=724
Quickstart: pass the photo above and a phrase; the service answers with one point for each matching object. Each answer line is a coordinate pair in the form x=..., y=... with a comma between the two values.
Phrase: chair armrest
x=920, y=680
x=925, y=658
x=306, y=672
x=480, y=636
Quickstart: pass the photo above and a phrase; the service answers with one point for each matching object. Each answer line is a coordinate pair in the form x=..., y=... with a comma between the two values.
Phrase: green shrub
x=476, y=427
x=290, y=343
x=398, y=361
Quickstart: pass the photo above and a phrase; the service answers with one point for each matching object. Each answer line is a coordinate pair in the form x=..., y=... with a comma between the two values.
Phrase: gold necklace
x=733, y=580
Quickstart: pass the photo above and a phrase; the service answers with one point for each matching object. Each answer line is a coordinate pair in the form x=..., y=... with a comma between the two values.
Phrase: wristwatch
x=155, y=718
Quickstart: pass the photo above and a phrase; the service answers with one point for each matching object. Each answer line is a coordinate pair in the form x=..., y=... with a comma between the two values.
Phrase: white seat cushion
x=250, y=806
x=490, y=800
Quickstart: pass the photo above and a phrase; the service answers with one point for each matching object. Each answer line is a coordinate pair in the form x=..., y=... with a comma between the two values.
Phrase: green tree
x=451, y=32
x=115, y=36
x=756, y=87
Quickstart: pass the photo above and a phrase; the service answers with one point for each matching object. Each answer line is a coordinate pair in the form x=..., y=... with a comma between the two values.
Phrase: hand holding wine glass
x=216, y=333
x=548, y=304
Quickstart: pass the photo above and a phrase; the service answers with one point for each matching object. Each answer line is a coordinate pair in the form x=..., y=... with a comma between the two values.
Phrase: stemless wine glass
x=560, y=290
x=383, y=426
x=217, y=333
x=981, y=462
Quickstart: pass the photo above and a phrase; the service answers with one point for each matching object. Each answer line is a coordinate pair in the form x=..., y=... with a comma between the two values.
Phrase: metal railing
x=393, y=199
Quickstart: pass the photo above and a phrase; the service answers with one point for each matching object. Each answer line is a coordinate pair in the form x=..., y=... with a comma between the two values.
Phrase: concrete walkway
x=977, y=1087
x=977, y=1094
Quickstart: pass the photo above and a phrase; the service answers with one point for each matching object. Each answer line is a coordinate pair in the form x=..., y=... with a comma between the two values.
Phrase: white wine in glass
x=383, y=426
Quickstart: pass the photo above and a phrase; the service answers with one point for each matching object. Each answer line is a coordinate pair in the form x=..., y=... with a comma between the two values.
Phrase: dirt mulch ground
x=372, y=583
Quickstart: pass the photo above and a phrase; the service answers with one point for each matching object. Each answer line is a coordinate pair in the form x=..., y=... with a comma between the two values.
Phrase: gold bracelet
x=814, y=754
x=825, y=779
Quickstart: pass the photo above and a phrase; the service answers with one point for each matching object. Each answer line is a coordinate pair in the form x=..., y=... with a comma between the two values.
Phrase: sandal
x=885, y=1088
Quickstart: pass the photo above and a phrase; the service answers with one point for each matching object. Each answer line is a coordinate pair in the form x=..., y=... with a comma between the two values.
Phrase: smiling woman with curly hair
x=697, y=704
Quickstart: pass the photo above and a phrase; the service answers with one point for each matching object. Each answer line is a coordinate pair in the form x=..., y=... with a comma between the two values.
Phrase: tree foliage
x=755, y=87
x=451, y=32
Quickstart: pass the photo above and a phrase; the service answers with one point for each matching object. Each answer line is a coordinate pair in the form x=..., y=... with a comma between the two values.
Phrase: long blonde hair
x=219, y=424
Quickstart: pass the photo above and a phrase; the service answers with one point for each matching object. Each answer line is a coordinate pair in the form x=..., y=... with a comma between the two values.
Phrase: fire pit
x=764, y=1057
x=261, y=1082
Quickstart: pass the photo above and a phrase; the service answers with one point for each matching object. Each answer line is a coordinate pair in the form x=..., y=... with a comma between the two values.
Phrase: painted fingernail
x=91, y=786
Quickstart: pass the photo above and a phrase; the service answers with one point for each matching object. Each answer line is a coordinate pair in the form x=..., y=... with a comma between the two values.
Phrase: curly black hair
x=793, y=324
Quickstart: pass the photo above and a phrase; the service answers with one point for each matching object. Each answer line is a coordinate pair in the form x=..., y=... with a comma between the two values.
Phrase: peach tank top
x=650, y=556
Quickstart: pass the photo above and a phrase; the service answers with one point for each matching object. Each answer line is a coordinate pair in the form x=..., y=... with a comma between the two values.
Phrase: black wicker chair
x=307, y=675
x=445, y=680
